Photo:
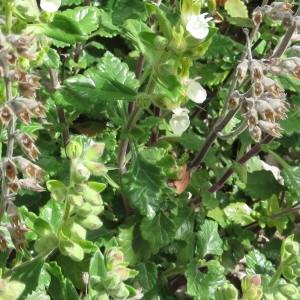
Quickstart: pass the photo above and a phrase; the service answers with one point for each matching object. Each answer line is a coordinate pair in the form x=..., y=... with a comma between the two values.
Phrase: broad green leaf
x=209, y=241
x=64, y=29
x=163, y=227
x=51, y=59
x=218, y=215
x=147, y=276
x=291, y=125
x=87, y=17
x=143, y=183
x=184, y=222
x=257, y=264
x=191, y=141
x=52, y=212
x=239, y=213
x=202, y=285
x=28, y=274
x=38, y=296
x=107, y=28
x=110, y=80
x=262, y=185
x=236, y=8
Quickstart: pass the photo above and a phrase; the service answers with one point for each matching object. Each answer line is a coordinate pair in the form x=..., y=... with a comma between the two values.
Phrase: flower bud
x=96, y=283
x=97, y=169
x=160, y=42
x=46, y=243
x=71, y=249
x=74, y=149
x=120, y=292
x=227, y=291
x=92, y=196
x=111, y=281
x=90, y=222
x=77, y=231
x=81, y=173
x=195, y=92
x=97, y=209
x=75, y=199
x=94, y=151
x=84, y=210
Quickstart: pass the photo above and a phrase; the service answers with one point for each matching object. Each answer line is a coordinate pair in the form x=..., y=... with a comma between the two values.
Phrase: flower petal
x=180, y=121
x=197, y=26
x=196, y=92
x=50, y=5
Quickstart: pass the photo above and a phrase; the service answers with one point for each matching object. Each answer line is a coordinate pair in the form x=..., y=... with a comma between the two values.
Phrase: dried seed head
x=5, y=114
x=252, y=117
x=3, y=242
x=241, y=70
x=31, y=184
x=272, y=86
x=17, y=75
x=282, y=6
x=2, y=40
x=20, y=110
x=27, y=53
x=10, y=57
x=248, y=104
x=234, y=99
x=30, y=169
x=13, y=214
x=257, y=15
x=26, y=39
x=270, y=128
x=13, y=186
x=27, y=90
x=265, y=110
x=33, y=80
x=278, y=106
x=17, y=235
x=256, y=70
x=10, y=170
x=255, y=133
x=27, y=144
x=288, y=21
x=37, y=109
x=257, y=89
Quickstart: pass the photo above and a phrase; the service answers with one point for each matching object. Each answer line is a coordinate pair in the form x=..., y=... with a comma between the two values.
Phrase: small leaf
x=203, y=285
x=236, y=8
x=209, y=241
x=239, y=213
x=257, y=264
x=147, y=276
x=28, y=274
x=164, y=230
x=64, y=29
x=262, y=185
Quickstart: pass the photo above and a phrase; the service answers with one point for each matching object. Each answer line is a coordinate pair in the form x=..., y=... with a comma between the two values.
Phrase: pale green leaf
x=87, y=17
x=202, y=285
x=239, y=213
x=209, y=241
x=236, y=8
x=148, y=275
x=158, y=231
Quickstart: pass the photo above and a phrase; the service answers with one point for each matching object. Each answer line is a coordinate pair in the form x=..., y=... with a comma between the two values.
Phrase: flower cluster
x=22, y=106
x=81, y=197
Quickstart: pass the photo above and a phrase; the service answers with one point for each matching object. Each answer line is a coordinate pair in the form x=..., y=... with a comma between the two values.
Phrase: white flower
x=50, y=5
x=197, y=26
x=180, y=120
x=196, y=92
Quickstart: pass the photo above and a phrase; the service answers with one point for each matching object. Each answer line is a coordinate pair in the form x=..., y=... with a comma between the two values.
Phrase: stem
x=275, y=276
x=252, y=152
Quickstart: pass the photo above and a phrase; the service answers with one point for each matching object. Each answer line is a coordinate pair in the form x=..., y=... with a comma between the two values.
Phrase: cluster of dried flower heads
x=263, y=105
x=20, y=104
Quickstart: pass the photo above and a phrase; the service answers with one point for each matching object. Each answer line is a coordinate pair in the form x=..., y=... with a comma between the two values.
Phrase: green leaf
x=202, y=285
x=291, y=125
x=31, y=128
x=209, y=241
x=29, y=274
x=87, y=18
x=52, y=212
x=64, y=29
x=257, y=264
x=51, y=59
x=143, y=183
x=110, y=80
x=262, y=185
x=184, y=222
x=236, y=8
x=107, y=28
x=163, y=227
x=239, y=213
x=147, y=276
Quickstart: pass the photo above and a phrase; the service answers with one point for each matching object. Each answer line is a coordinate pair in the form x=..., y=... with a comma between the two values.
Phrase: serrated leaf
x=262, y=185
x=184, y=222
x=143, y=183
x=107, y=28
x=147, y=276
x=209, y=241
x=64, y=29
x=202, y=285
x=38, y=296
x=51, y=59
x=31, y=128
x=257, y=264
x=28, y=274
x=110, y=80
x=163, y=227
x=291, y=125
x=87, y=17
x=236, y=8
x=239, y=213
